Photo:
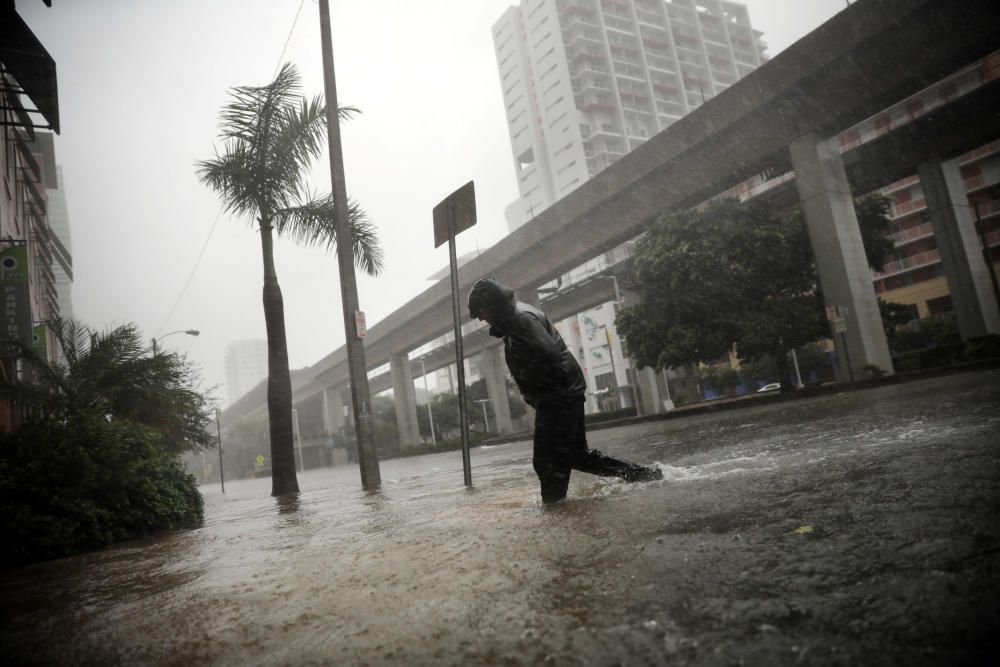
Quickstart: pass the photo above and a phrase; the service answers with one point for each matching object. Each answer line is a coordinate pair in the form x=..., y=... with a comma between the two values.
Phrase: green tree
x=732, y=273
x=96, y=459
x=110, y=374
x=270, y=137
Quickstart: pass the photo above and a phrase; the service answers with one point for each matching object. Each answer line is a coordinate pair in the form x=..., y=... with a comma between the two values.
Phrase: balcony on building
x=577, y=8
x=580, y=36
x=647, y=16
x=592, y=106
x=615, y=9
x=917, y=232
x=624, y=26
x=661, y=63
x=909, y=263
x=594, y=84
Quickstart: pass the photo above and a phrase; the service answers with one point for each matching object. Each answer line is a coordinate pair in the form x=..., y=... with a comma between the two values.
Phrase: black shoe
x=643, y=474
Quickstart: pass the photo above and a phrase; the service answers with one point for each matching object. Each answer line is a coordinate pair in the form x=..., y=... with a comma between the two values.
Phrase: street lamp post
x=430, y=415
x=486, y=421
x=189, y=332
x=298, y=438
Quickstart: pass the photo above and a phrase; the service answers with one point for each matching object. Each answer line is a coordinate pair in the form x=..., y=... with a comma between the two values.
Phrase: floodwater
x=856, y=528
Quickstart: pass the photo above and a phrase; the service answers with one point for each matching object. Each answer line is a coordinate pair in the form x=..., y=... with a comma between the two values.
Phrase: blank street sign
x=464, y=201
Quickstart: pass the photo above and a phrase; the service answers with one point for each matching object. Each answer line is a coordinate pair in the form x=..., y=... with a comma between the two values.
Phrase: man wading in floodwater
x=552, y=383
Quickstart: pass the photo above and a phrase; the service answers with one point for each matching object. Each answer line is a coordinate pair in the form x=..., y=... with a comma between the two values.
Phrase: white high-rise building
x=586, y=81
x=246, y=366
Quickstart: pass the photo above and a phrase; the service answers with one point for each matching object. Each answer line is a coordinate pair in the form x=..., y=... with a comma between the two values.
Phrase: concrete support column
x=961, y=250
x=649, y=391
x=844, y=274
x=405, y=399
x=638, y=387
x=496, y=386
x=333, y=409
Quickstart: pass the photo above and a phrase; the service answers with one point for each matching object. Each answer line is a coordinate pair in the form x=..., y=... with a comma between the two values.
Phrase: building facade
x=28, y=103
x=246, y=366
x=915, y=275
x=586, y=81
x=62, y=246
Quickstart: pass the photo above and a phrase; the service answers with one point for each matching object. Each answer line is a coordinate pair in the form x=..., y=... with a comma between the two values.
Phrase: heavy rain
x=662, y=332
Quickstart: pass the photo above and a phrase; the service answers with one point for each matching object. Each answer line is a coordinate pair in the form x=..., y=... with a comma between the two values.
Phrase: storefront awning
x=25, y=59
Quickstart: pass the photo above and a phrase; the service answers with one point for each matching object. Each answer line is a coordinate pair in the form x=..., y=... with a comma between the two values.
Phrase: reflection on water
x=426, y=570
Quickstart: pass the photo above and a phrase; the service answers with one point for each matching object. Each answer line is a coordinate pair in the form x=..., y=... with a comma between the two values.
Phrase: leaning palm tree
x=270, y=137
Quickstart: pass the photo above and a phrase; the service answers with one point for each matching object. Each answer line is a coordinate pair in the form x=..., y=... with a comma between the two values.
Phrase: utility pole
x=371, y=479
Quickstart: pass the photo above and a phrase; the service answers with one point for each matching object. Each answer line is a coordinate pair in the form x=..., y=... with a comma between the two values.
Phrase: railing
x=980, y=152
x=907, y=208
x=988, y=209
x=974, y=182
x=909, y=263
x=919, y=232
x=900, y=184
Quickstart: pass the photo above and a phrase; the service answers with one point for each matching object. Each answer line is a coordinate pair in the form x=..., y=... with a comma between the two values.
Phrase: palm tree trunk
x=279, y=381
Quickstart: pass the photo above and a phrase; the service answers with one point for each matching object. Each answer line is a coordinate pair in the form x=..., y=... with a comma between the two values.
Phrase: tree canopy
x=732, y=274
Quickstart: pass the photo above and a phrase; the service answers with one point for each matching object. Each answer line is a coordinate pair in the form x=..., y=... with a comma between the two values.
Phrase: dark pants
x=561, y=446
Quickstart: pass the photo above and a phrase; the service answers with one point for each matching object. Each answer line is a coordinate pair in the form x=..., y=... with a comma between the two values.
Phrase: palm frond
x=248, y=114
x=313, y=223
x=235, y=177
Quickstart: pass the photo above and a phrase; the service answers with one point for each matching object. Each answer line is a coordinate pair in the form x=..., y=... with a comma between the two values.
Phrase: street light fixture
x=486, y=421
x=189, y=332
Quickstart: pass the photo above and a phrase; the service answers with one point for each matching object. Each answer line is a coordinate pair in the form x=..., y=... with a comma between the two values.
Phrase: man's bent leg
x=594, y=462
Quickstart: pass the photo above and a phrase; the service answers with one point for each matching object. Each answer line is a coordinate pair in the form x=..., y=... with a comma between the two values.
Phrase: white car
x=769, y=387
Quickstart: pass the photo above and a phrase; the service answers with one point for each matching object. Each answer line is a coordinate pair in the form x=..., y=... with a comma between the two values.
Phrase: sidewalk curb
x=754, y=400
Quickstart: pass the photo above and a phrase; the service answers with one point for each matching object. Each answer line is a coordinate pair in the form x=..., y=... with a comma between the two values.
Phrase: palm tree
x=110, y=375
x=271, y=136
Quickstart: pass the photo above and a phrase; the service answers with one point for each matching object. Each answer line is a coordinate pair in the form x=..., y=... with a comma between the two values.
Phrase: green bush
x=983, y=347
x=72, y=486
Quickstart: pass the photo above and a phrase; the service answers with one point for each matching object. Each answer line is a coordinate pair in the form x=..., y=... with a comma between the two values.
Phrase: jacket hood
x=490, y=295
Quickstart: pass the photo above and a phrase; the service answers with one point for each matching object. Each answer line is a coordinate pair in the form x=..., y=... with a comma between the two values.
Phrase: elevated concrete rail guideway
x=873, y=54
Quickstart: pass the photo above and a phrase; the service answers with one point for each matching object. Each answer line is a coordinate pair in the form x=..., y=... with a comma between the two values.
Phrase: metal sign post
x=837, y=315
x=453, y=215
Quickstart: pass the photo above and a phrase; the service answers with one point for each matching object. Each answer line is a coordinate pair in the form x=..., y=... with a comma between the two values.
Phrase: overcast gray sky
x=140, y=88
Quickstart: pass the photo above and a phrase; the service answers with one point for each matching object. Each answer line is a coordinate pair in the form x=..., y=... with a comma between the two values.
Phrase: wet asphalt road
x=852, y=529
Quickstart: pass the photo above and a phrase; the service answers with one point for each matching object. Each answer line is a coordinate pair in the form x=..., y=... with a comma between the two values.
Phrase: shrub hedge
x=72, y=486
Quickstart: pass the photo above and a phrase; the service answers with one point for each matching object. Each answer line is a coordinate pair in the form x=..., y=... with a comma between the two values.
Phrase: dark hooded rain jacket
x=542, y=366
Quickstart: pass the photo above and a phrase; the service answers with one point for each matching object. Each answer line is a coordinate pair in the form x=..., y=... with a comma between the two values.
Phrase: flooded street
x=856, y=528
